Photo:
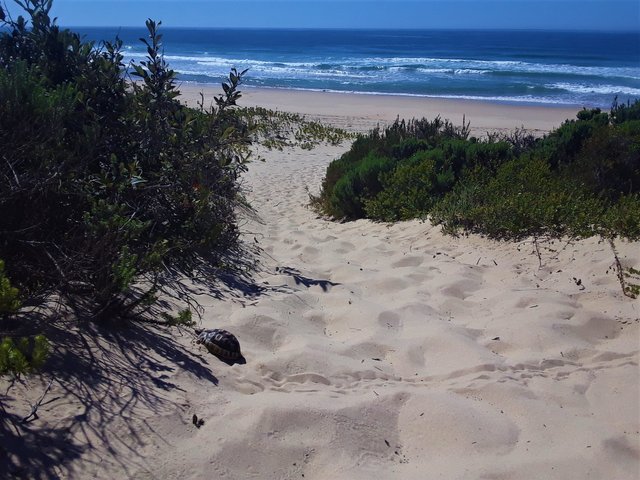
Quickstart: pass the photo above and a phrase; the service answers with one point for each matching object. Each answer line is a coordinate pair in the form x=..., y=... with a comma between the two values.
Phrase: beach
x=362, y=112
x=386, y=351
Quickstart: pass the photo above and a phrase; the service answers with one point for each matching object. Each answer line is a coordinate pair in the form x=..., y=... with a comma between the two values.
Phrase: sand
x=373, y=351
x=362, y=112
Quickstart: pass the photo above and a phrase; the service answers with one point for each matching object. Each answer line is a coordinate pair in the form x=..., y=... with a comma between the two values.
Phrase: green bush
x=622, y=218
x=609, y=162
x=357, y=174
x=351, y=191
x=113, y=189
x=408, y=190
x=582, y=179
x=487, y=154
x=360, y=148
x=417, y=172
x=561, y=146
x=411, y=189
x=524, y=198
x=9, y=296
x=621, y=113
x=23, y=355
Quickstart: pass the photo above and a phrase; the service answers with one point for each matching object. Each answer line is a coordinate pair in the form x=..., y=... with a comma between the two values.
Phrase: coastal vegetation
x=23, y=355
x=110, y=188
x=277, y=130
x=112, y=191
x=580, y=180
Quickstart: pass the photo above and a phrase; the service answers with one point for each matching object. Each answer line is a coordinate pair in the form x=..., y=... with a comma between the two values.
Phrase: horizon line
x=408, y=29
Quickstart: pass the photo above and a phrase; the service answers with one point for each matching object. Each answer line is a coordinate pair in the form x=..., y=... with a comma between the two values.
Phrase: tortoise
x=222, y=344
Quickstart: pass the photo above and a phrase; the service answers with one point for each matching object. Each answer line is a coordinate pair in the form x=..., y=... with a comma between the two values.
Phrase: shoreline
x=363, y=111
x=483, y=100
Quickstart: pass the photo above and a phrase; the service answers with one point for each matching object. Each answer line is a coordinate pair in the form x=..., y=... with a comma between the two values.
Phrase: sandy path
x=395, y=352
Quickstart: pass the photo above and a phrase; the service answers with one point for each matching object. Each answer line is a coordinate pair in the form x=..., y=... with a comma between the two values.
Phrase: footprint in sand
x=461, y=289
x=390, y=320
x=345, y=247
x=295, y=382
x=249, y=387
x=408, y=261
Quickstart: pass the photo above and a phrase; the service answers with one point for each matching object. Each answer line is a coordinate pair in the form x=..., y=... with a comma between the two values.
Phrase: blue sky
x=481, y=14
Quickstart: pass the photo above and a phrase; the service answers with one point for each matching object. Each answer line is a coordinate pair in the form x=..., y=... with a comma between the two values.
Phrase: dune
x=373, y=350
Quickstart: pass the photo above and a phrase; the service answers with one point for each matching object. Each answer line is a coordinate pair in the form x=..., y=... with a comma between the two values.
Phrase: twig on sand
x=34, y=408
x=535, y=243
x=620, y=270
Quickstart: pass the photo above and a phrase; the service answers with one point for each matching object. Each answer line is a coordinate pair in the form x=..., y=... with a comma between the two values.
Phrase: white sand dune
x=379, y=351
x=392, y=351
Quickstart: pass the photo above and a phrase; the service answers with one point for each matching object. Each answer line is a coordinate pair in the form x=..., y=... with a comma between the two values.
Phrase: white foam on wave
x=470, y=71
x=421, y=64
x=544, y=83
x=599, y=89
x=435, y=60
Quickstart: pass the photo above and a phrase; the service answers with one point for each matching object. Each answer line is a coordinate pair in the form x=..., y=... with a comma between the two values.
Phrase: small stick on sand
x=34, y=408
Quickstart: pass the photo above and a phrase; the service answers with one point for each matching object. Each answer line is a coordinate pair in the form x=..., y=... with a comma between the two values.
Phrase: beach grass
x=275, y=129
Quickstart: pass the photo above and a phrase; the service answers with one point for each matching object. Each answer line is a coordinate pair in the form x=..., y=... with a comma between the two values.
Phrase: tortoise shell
x=222, y=344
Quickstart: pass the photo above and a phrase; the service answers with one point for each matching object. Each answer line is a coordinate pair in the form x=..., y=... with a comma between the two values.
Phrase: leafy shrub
x=113, y=189
x=581, y=179
x=350, y=192
x=488, y=154
x=23, y=355
x=355, y=172
x=410, y=146
x=561, y=146
x=621, y=113
x=622, y=218
x=9, y=301
x=411, y=189
x=407, y=191
x=609, y=162
x=524, y=198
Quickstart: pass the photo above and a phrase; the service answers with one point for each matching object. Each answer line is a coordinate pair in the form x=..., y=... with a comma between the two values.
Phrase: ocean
x=587, y=69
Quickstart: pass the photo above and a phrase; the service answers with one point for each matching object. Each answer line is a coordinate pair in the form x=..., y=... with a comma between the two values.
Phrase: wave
x=422, y=64
x=599, y=89
x=495, y=80
x=511, y=99
x=514, y=66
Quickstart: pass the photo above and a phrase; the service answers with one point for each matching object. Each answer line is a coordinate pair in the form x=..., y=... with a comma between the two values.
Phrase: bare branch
x=34, y=408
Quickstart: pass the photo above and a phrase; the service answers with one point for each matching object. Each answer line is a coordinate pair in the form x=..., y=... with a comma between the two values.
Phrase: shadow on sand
x=115, y=377
x=103, y=376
